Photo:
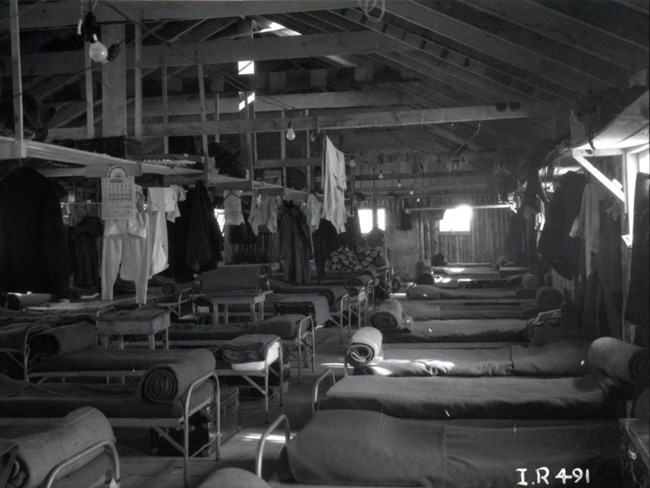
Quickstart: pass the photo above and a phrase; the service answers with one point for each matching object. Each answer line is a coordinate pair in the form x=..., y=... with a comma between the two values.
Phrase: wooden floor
x=142, y=470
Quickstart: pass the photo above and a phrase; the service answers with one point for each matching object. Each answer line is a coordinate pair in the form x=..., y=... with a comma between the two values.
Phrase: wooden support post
x=308, y=155
x=137, y=129
x=90, y=98
x=114, y=85
x=217, y=136
x=204, y=115
x=165, y=102
x=283, y=152
x=17, y=81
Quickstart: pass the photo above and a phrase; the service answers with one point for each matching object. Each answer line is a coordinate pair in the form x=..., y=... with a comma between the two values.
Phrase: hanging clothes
x=353, y=230
x=334, y=185
x=232, y=207
x=34, y=252
x=559, y=249
x=264, y=213
x=195, y=239
x=587, y=223
x=126, y=250
x=637, y=307
x=325, y=240
x=314, y=212
x=161, y=203
x=294, y=245
x=84, y=254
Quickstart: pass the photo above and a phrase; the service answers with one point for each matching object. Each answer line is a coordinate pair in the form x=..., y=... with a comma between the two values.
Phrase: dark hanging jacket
x=195, y=240
x=84, y=255
x=295, y=246
x=560, y=250
x=33, y=240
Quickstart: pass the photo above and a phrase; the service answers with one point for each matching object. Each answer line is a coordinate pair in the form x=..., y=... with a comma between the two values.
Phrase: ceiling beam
x=281, y=81
x=190, y=105
x=555, y=25
x=54, y=14
x=371, y=120
x=501, y=85
x=425, y=16
x=225, y=51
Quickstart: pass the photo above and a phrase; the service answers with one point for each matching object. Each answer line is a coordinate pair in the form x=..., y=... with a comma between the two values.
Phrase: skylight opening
x=246, y=67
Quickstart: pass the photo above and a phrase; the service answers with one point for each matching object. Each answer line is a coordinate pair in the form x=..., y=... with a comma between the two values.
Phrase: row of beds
x=444, y=392
x=171, y=385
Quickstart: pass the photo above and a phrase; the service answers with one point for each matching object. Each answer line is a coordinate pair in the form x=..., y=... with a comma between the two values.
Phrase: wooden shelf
x=628, y=129
x=61, y=154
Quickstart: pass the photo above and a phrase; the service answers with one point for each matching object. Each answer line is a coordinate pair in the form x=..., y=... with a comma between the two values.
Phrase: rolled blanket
x=246, y=349
x=425, y=277
x=165, y=383
x=39, y=453
x=530, y=281
x=8, y=451
x=174, y=289
x=549, y=298
x=619, y=359
x=18, y=301
x=244, y=277
x=66, y=339
x=388, y=316
x=364, y=348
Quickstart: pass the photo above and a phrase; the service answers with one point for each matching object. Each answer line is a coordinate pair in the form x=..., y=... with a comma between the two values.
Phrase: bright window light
x=457, y=219
x=249, y=100
x=365, y=219
x=246, y=67
x=275, y=27
x=220, y=215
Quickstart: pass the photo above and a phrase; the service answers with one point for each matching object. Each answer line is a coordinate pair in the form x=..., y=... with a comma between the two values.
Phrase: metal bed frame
x=160, y=424
x=107, y=446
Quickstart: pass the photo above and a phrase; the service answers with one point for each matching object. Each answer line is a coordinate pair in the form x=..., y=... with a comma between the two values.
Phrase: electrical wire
x=368, y=6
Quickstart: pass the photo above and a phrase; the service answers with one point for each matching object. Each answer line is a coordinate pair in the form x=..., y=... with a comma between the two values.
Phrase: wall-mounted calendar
x=118, y=197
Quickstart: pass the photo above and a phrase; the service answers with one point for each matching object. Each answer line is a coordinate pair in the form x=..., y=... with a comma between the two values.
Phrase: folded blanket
x=66, y=339
x=39, y=453
x=331, y=293
x=283, y=326
x=244, y=277
x=389, y=316
x=314, y=305
x=619, y=359
x=246, y=349
x=8, y=451
x=549, y=298
x=165, y=383
x=364, y=348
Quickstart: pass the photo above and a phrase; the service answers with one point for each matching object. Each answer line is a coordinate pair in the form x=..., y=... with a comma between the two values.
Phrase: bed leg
x=313, y=345
x=299, y=359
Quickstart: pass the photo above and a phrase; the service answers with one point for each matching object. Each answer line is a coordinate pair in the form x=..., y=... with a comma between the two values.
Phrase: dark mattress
x=462, y=330
x=585, y=397
x=105, y=359
x=564, y=358
x=26, y=400
x=430, y=292
x=423, y=310
x=284, y=326
x=370, y=449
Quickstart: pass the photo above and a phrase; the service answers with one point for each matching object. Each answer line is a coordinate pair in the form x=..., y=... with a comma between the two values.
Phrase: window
x=246, y=67
x=220, y=215
x=637, y=161
x=365, y=219
x=457, y=219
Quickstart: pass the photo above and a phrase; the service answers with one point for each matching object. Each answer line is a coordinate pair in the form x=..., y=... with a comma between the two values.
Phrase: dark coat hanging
x=294, y=246
x=33, y=240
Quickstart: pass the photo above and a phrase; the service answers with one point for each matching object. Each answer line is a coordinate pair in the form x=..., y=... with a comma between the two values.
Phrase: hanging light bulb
x=353, y=163
x=399, y=183
x=411, y=192
x=381, y=174
x=312, y=137
x=97, y=51
x=291, y=134
x=418, y=200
